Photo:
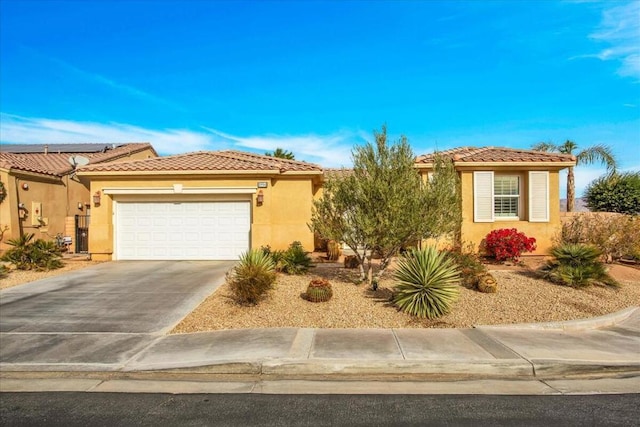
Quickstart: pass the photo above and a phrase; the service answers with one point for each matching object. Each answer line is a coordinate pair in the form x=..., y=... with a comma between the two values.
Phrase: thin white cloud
x=28, y=130
x=333, y=150
x=620, y=29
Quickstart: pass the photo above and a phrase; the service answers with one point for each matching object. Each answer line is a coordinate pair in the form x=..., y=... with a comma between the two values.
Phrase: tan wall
x=8, y=221
x=544, y=232
x=58, y=198
x=281, y=219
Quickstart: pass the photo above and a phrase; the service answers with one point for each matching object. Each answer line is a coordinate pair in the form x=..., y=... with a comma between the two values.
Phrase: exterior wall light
x=80, y=205
x=96, y=198
x=25, y=186
x=260, y=198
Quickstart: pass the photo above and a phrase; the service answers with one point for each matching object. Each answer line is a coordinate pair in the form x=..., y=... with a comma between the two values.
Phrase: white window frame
x=517, y=217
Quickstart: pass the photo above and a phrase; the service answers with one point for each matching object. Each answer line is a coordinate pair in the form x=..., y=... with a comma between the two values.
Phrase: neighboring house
x=199, y=206
x=507, y=188
x=43, y=194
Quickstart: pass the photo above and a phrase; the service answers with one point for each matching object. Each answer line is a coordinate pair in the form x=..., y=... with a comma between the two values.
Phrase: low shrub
x=508, y=244
x=615, y=235
x=471, y=268
x=250, y=280
x=576, y=265
x=295, y=260
x=29, y=254
x=4, y=271
x=428, y=283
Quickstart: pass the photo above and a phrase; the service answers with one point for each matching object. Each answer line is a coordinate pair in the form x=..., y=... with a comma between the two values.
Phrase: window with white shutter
x=506, y=197
x=539, y=196
x=483, y=196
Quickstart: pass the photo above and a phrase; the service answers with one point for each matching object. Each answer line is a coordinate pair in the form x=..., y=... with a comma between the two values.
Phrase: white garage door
x=182, y=231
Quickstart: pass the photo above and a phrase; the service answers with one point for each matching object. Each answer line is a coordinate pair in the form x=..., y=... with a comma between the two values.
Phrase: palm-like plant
x=281, y=154
x=428, y=283
x=597, y=153
x=576, y=265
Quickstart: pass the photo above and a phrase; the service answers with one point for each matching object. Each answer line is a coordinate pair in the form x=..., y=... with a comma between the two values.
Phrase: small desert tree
x=383, y=204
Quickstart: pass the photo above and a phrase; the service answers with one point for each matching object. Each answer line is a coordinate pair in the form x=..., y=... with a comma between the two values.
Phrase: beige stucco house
x=198, y=206
x=42, y=192
x=218, y=204
x=507, y=188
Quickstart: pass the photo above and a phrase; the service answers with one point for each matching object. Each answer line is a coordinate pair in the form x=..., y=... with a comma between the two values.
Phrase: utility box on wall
x=36, y=213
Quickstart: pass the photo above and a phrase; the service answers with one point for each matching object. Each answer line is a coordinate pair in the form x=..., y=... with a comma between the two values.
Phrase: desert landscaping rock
x=19, y=277
x=521, y=298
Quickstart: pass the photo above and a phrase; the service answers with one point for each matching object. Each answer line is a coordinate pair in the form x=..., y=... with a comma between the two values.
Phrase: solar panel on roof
x=57, y=148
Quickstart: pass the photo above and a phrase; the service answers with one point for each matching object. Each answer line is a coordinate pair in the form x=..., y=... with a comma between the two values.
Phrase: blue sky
x=318, y=77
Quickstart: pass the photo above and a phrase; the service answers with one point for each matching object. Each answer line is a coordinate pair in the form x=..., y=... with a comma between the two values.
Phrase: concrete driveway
x=115, y=307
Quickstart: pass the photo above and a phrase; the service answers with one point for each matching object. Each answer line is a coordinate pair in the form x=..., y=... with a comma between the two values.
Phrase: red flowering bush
x=508, y=244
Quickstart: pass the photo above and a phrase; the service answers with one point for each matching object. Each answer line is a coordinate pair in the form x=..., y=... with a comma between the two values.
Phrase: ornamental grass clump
x=250, y=280
x=508, y=244
x=577, y=265
x=428, y=283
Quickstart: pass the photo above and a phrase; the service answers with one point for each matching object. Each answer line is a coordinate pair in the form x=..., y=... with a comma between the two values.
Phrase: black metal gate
x=82, y=234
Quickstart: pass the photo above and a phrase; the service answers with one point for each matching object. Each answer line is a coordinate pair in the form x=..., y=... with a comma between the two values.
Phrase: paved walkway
x=605, y=346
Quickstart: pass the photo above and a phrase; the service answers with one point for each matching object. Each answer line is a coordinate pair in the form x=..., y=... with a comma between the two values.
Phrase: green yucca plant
x=576, y=265
x=252, y=277
x=428, y=283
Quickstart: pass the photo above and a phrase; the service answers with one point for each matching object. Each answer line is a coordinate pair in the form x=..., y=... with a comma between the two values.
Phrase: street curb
x=517, y=368
x=573, y=325
x=423, y=370
x=553, y=369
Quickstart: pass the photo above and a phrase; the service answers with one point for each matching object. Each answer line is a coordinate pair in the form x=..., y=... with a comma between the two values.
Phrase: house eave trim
x=559, y=165
x=178, y=189
x=180, y=172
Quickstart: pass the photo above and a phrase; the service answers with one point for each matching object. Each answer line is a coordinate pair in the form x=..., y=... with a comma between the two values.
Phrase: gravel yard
x=521, y=297
x=18, y=277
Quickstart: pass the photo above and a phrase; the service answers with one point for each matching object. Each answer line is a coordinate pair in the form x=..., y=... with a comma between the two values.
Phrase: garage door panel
x=190, y=230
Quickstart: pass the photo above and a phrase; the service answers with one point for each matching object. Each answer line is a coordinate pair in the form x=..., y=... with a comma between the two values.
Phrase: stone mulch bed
x=522, y=297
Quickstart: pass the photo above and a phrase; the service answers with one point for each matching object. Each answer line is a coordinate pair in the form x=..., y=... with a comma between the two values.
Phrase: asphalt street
x=113, y=409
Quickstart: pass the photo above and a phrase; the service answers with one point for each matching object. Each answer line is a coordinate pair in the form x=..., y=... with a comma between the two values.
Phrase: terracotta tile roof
x=497, y=154
x=227, y=160
x=337, y=172
x=57, y=163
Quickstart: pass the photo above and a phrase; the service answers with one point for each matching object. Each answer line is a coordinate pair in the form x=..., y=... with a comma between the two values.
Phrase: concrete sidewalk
x=608, y=346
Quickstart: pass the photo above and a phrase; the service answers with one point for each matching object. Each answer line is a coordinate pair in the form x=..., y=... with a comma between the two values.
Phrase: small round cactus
x=487, y=284
x=319, y=290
